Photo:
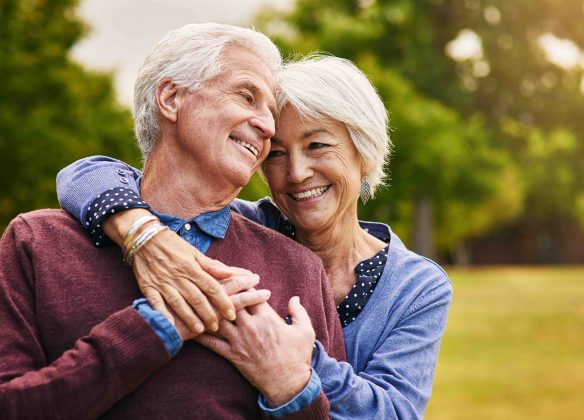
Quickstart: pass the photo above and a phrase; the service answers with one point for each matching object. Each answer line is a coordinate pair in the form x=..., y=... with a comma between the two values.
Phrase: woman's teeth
x=306, y=195
x=248, y=146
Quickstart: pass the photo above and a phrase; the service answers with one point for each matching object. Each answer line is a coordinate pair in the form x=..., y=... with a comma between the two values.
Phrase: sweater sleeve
x=114, y=358
x=396, y=381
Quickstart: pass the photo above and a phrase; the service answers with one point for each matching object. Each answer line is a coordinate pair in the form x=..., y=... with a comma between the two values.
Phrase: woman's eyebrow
x=313, y=132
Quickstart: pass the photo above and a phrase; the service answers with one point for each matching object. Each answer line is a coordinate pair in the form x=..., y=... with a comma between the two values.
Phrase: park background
x=486, y=101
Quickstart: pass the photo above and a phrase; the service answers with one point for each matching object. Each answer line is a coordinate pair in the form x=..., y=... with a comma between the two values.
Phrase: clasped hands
x=219, y=307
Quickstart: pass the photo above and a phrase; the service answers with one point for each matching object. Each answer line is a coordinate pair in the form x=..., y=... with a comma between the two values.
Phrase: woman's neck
x=341, y=246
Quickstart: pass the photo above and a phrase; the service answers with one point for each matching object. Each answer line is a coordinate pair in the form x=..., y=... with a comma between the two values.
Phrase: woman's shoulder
x=263, y=211
x=406, y=265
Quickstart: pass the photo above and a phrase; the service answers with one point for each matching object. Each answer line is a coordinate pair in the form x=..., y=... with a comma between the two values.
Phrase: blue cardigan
x=392, y=346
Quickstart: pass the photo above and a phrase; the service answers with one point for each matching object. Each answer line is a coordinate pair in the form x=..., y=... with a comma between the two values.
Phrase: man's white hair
x=321, y=87
x=190, y=56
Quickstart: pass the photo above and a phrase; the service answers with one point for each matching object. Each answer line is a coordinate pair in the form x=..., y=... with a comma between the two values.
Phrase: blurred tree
x=444, y=166
x=52, y=111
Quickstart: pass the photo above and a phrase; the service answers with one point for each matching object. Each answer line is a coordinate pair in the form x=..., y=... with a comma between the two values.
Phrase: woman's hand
x=273, y=356
x=170, y=271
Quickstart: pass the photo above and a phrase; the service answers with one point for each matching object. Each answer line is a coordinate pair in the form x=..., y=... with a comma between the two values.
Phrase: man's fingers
x=298, y=313
x=239, y=283
x=215, y=344
x=183, y=310
x=250, y=297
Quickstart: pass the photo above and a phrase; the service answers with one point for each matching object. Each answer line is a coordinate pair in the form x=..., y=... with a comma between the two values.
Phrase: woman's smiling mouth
x=312, y=193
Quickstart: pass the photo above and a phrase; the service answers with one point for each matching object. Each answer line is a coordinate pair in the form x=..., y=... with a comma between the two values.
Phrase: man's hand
x=273, y=356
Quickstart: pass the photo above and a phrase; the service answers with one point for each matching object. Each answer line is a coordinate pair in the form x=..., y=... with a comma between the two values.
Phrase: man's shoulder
x=46, y=217
x=52, y=223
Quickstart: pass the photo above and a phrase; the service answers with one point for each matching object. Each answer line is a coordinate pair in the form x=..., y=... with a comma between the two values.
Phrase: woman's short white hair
x=321, y=87
x=190, y=56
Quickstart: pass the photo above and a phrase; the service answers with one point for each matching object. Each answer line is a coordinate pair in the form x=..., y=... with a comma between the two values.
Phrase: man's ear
x=166, y=99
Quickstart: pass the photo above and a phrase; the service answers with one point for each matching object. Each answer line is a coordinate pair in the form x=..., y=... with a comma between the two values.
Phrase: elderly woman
x=330, y=148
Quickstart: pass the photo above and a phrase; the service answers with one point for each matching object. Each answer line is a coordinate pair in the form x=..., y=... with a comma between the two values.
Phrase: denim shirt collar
x=214, y=223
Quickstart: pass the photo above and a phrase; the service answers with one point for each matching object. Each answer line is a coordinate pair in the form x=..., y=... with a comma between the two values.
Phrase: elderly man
x=73, y=344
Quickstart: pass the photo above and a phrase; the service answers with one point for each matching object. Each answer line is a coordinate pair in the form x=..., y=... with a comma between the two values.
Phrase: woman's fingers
x=249, y=298
x=157, y=301
x=168, y=264
x=239, y=283
x=190, y=316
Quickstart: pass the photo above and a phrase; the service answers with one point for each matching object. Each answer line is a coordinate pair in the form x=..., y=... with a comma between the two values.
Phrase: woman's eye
x=274, y=154
x=316, y=145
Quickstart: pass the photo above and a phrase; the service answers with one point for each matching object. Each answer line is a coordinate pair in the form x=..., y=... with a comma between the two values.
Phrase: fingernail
x=214, y=327
x=231, y=315
x=199, y=328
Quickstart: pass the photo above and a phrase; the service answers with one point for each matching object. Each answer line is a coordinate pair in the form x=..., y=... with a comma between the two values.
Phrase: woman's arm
x=167, y=268
x=396, y=379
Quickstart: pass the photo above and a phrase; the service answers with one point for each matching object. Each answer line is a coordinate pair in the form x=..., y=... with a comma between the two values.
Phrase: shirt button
x=187, y=226
x=121, y=172
x=124, y=180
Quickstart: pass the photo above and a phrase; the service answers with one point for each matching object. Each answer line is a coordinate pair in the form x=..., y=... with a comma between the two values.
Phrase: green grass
x=513, y=347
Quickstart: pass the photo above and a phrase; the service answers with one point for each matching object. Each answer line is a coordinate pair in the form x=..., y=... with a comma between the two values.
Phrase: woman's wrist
x=117, y=225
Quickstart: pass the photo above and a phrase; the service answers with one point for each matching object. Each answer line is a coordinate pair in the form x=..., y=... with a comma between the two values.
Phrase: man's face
x=223, y=129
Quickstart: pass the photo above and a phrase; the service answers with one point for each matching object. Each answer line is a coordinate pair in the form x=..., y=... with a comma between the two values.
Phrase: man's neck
x=172, y=188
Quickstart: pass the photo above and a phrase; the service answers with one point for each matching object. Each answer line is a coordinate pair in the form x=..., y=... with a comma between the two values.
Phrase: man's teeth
x=247, y=146
x=315, y=192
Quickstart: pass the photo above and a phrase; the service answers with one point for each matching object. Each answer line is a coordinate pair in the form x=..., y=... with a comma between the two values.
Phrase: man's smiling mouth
x=247, y=146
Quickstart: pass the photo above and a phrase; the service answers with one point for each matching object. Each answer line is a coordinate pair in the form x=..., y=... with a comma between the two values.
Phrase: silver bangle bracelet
x=141, y=240
x=135, y=226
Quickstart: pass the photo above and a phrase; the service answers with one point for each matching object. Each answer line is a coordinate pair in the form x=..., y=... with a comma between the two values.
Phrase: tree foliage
x=487, y=139
x=52, y=111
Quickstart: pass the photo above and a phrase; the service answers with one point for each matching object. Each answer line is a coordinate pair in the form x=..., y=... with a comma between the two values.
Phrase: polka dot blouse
x=368, y=273
x=106, y=204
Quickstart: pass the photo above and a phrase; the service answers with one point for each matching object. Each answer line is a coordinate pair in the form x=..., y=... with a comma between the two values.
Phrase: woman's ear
x=166, y=99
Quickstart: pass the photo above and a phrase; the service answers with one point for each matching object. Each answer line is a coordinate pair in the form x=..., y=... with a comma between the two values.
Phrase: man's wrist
x=283, y=393
x=297, y=402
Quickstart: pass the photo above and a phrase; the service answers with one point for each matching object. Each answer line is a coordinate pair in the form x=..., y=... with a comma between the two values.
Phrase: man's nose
x=264, y=122
x=299, y=168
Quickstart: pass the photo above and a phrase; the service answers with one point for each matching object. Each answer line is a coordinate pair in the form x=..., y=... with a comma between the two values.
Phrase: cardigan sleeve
x=114, y=358
x=396, y=381
x=79, y=183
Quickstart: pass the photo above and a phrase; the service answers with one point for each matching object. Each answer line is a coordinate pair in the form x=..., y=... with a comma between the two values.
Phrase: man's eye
x=248, y=98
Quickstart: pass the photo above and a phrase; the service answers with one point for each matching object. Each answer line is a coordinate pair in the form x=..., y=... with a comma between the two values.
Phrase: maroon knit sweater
x=71, y=346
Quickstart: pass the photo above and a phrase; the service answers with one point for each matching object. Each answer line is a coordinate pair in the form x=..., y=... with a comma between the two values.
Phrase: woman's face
x=314, y=172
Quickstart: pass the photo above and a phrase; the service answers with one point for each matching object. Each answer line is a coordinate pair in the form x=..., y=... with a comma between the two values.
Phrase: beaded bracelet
x=135, y=226
x=141, y=240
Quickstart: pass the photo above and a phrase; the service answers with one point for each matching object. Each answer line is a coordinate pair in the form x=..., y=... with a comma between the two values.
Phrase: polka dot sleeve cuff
x=106, y=204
